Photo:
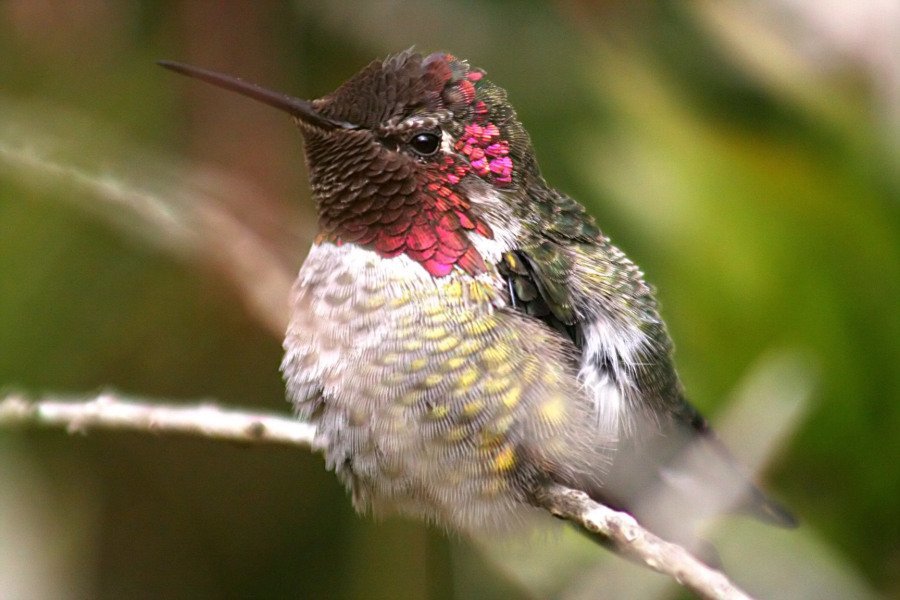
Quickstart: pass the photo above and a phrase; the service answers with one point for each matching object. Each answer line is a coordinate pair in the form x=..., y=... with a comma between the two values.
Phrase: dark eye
x=425, y=143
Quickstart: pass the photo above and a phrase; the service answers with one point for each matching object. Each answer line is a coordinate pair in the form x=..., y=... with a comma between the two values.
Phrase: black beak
x=299, y=109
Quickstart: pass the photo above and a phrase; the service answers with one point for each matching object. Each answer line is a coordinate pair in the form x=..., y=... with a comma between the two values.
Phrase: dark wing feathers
x=538, y=276
x=532, y=293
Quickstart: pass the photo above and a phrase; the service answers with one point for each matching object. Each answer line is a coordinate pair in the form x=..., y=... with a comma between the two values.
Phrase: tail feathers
x=769, y=511
x=757, y=504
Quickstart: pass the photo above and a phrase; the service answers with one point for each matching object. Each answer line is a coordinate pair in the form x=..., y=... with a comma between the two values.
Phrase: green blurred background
x=745, y=154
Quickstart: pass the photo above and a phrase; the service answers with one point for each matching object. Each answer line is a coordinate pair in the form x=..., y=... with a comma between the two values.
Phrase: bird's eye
x=425, y=143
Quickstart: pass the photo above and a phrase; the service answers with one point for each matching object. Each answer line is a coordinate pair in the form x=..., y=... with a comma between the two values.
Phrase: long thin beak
x=301, y=109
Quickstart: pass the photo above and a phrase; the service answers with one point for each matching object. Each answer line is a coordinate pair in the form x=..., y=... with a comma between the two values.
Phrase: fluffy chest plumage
x=429, y=395
x=360, y=320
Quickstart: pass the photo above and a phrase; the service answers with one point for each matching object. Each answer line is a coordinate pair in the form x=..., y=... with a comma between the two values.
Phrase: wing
x=576, y=282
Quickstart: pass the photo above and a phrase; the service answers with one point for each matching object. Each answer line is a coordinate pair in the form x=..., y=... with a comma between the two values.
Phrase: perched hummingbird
x=462, y=334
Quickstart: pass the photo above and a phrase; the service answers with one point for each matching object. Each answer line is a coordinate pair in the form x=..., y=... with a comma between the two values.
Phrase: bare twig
x=108, y=411
x=631, y=540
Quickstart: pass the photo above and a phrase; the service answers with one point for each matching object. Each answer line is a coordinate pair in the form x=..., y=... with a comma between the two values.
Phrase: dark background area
x=743, y=153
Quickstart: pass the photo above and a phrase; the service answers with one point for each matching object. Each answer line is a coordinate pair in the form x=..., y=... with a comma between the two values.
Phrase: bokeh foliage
x=745, y=159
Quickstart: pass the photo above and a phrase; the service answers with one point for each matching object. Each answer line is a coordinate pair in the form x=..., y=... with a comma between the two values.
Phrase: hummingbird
x=462, y=334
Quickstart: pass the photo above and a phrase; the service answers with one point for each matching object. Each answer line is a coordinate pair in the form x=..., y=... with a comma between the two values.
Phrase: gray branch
x=109, y=411
x=632, y=541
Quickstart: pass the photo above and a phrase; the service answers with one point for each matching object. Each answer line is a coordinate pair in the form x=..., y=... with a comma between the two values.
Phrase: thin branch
x=630, y=540
x=108, y=411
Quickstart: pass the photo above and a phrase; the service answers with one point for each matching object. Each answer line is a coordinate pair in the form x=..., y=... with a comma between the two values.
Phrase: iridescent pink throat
x=433, y=229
